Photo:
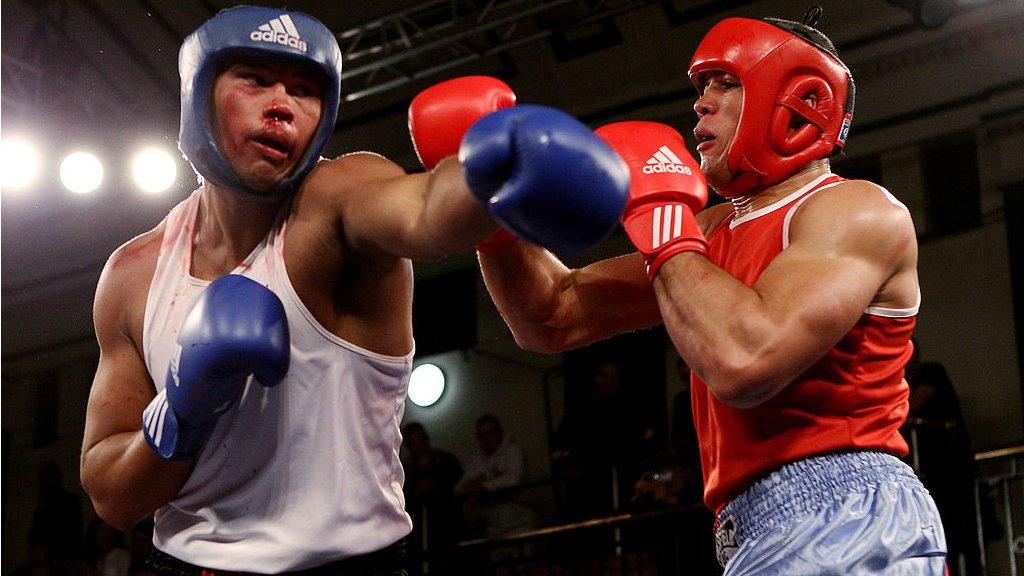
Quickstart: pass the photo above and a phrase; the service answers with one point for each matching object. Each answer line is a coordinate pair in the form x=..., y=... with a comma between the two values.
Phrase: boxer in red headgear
x=793, y=304
x=797, y=98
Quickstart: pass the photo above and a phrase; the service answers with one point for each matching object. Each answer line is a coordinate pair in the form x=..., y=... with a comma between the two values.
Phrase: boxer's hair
x=413, y=427
x=489, y=419
x=808, y=33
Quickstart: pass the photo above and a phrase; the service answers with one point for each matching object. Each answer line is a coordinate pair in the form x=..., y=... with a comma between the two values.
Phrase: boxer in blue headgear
x=255, y=345
x=261, y=33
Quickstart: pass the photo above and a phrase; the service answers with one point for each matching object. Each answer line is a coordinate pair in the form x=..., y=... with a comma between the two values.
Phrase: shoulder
x=853, y=209
x=856, y=196
x=511, y=445
x=135, y=257
x=124, y=283
x=710, y=218
x=447, y=456
x=333, y=186
x=349, y=172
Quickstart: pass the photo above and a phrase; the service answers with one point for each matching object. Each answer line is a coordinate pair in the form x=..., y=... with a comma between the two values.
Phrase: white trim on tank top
x=873, y=310
x=779, y=203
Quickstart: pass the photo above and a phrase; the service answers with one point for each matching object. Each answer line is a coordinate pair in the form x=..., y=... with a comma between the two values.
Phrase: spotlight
x=154, y=170
x=81, y=172
x=19, y=164
x=426, y=385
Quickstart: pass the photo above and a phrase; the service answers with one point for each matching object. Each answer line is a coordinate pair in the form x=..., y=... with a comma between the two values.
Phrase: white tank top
x=293, y=476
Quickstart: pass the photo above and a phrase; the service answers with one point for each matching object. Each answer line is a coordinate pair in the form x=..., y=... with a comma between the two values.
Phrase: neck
x=228, y=229
x=761, y=197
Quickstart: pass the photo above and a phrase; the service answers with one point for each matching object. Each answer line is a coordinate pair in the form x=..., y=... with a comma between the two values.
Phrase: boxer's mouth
x=704, y=138
x=277, y=146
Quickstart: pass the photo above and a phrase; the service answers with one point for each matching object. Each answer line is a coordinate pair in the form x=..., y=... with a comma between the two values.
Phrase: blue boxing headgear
x=266, y=33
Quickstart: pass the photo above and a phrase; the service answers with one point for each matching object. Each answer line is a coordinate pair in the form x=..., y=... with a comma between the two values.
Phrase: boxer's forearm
x=452, y=219
x=423, y=216
x=526, y=282
x=126, y=481
x=550, y=308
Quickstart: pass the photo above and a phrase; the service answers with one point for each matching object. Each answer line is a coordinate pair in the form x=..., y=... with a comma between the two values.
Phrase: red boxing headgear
x=778, y=67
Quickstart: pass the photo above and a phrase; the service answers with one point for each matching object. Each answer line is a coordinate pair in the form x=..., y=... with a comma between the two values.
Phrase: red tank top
x=854, y=397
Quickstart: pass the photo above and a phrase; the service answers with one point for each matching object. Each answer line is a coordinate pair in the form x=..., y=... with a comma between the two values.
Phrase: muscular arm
x=747, y=343
x=383, y=210
x=122, y=475
x=550, y=308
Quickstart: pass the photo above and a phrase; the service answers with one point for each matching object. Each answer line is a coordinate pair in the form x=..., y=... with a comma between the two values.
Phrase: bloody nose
x=278, y=113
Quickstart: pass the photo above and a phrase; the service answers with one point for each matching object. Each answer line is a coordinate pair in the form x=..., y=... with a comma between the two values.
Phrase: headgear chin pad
x=797, y=98
x=267, y=34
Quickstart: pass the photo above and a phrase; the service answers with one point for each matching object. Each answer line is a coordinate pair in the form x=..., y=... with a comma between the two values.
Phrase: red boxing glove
x=440, y=115
x=497, y=242
x=666, y=189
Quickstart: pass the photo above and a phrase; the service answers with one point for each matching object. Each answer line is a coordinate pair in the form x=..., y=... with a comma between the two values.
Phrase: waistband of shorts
x=802, y=488
x=392, y=558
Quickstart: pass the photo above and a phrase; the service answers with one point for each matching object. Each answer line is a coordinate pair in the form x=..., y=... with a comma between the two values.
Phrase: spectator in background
x=430, y=479
x=40, y=564
x=602, y=432
x=677, y=481
x=139, y=546
x=945, y=457
x=104, y=552
x=57, y=519
x=683, y=437
x=492, y=475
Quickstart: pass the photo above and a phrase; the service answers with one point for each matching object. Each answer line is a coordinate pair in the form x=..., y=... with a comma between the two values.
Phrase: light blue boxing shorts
x=837, y=514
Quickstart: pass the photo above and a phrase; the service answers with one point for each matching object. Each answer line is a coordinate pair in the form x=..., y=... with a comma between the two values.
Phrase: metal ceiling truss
x=381, y=55
x=46, y=75
x=439, y=35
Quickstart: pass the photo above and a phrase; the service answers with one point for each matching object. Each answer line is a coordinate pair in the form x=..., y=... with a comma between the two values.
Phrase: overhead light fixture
x=426, y=385
x=154, y=170
x=81, y=172
x=20, y=164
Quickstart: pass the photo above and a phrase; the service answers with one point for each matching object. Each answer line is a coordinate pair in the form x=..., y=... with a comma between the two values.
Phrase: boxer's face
x=718, y=110
x=264, y=118
x=489, y=435
x=417, y=442
x=607, y=380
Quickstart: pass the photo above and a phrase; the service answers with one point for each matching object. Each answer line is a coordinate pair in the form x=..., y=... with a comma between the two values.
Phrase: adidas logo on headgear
x=664, y=160
x=280, y=30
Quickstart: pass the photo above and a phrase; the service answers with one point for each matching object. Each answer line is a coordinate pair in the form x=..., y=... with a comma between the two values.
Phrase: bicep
x=116, y=459
x=120, y=392
x=122, y=386
x=382, y=210
x=821, y=284
x=815, y=300
x=382, y=216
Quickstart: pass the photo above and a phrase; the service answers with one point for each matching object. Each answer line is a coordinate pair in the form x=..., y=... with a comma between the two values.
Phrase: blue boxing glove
x=545, y=176
x=236, y=329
